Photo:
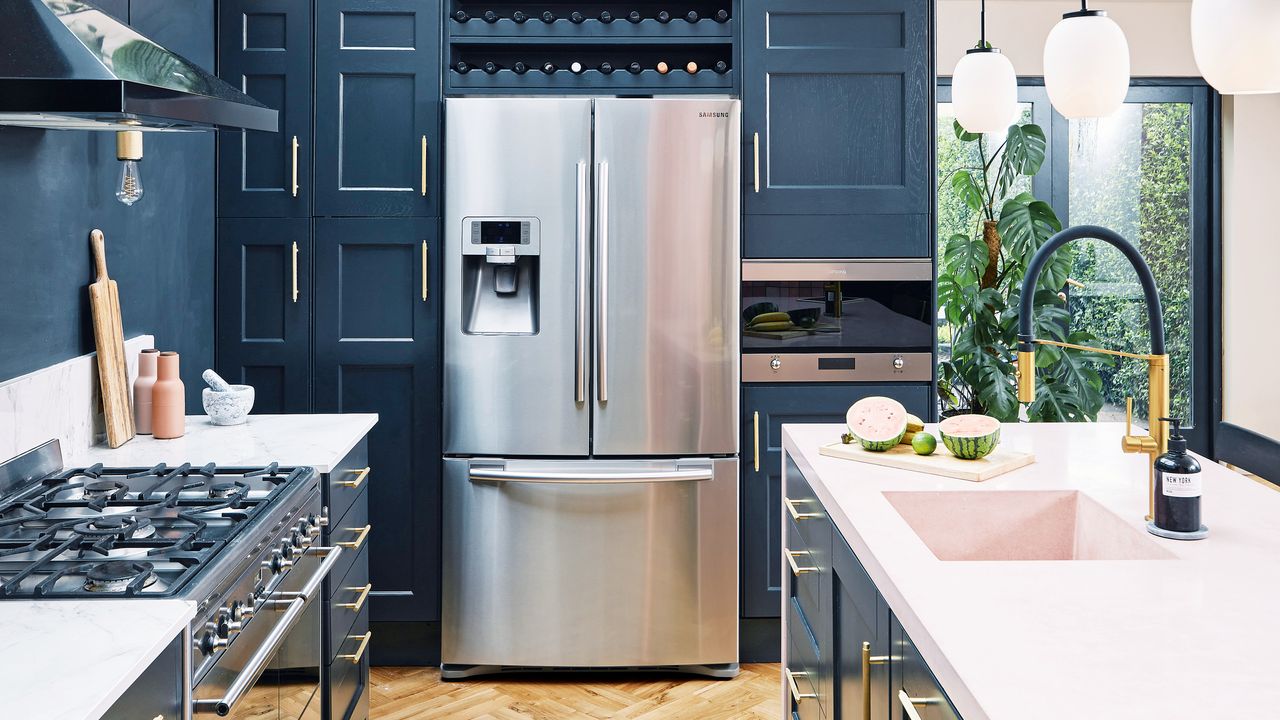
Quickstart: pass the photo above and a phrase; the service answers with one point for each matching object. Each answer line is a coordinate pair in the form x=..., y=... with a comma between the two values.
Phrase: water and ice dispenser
x=500, y=275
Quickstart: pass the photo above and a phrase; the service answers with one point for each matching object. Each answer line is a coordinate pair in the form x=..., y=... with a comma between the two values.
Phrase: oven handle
x=258, y=661
x=606, y=478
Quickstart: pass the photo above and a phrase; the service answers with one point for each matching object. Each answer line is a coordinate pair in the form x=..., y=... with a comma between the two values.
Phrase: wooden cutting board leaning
x=108, y=335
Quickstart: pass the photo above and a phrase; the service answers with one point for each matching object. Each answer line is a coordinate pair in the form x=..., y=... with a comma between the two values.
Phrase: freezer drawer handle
x=530, y=476
x=909, y=704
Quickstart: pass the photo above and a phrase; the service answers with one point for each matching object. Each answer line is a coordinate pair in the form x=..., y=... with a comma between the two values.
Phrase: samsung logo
x=713, y=114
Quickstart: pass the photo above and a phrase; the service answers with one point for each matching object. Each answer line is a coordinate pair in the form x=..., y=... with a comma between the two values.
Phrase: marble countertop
x=95, y=648
x=1192, y=635
x=320, y=441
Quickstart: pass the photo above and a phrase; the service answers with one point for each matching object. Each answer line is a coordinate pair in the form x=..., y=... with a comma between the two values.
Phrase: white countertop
x=72, y=659
x=1195, y=636
x=320, y=441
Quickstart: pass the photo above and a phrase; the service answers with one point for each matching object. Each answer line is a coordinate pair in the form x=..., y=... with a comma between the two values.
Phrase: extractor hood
x=65, y=64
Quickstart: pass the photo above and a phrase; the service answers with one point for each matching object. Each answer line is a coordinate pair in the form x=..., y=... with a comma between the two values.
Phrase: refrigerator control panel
x=508, y=236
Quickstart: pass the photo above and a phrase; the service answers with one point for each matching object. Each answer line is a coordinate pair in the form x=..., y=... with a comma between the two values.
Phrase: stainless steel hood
x=65, y=64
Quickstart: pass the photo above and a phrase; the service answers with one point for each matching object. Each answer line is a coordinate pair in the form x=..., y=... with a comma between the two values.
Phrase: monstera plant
x=979, y=288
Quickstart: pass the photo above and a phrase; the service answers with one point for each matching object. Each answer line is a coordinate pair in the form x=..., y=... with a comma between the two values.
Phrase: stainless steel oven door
x=271, y=670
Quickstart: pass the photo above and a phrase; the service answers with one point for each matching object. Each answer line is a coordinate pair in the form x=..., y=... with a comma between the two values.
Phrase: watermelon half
x=970, y=437
x=878, y=423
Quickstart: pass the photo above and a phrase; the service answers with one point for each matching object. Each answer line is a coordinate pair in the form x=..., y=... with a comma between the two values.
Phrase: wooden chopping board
x=788, y=334
x=108, y=334
x=941, y=462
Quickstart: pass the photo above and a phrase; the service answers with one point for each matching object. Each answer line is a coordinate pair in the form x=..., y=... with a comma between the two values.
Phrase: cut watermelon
x=878, y=423
x=970, y=437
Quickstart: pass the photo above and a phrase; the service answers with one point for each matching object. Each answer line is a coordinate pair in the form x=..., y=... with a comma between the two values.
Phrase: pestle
x=215, y=381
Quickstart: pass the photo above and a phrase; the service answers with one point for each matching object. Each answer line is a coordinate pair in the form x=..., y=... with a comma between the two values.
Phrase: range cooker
x=240, y=542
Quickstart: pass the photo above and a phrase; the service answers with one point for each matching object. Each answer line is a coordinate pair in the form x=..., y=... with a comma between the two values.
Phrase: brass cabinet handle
x=424, y=271
x=295, y=272
x=796, y=514
x=295, y=166
x=796, y=568
x=424, y=166
x=361, y=534
x=909, y=704
x=756, y=453
x=359, y=602
x=795, y=688
x=359, y=653
x=757, y=154
x=867, y=661
x=359, y=479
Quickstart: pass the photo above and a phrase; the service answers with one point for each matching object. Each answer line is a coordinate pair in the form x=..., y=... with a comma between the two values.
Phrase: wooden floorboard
x=403, y=693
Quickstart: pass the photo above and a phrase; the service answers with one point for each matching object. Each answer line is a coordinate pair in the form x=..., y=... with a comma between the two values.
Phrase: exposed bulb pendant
x=1086, y=64
x=129, y=153
x=984, y=87
x=1237, y=44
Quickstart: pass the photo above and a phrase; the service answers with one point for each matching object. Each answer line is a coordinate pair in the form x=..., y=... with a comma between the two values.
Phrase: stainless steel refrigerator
x=591, y=384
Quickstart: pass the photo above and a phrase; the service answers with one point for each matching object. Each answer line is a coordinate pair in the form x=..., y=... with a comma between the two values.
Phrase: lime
x=924, y=443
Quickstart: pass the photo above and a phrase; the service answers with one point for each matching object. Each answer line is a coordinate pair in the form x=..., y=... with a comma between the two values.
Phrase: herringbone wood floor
x=401, y=693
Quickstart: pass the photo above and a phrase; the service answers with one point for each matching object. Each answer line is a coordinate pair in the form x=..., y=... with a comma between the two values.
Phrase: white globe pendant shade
x=1237, y=44
x=984, y=92
x=1086, y=66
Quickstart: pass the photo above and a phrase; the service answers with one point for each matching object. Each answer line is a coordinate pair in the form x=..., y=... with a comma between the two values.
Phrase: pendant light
x=1086, y=64
x=984, y=87
x=1237, y=44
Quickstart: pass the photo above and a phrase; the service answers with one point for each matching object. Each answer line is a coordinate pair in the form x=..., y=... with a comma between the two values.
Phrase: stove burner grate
x=119, y=575
x=125, y=527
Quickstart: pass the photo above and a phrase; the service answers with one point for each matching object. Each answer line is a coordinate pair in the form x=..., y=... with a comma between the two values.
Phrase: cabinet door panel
x=265, y=49
x=262, y=325
x=377, y=107
x=377, y=350
x=917, y=682
x=768, y=407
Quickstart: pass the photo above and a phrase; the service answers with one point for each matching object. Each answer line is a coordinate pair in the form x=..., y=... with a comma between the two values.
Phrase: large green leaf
x=1024, y=149
x=1025, y=224
x=965, y=258
x=963, y=135
x=963, y=184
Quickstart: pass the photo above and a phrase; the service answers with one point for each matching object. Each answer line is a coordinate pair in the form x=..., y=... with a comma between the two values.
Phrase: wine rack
x=592, y=47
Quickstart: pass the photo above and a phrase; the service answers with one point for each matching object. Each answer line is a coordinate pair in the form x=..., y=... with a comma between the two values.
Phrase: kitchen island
x=1154, y=629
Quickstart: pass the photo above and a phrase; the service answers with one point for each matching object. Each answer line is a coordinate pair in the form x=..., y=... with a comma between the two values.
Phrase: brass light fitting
x=129, y=152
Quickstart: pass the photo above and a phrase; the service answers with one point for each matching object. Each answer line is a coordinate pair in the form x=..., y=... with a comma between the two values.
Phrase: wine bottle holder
x=621, y=82
x=649, y=30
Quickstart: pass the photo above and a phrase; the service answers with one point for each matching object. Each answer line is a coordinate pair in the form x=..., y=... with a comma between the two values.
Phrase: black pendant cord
x=982, y=25
x=1084, y=11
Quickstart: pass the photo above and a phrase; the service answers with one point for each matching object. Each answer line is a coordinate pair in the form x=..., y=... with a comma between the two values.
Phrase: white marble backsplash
x=61, y=401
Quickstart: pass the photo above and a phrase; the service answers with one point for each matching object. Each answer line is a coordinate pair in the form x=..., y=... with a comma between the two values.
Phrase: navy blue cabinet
x=263, y=310
x=837, y=109
x=264, y=48
x=377, y=349
x=765, y=408
x=377, y=108
x=860, y=630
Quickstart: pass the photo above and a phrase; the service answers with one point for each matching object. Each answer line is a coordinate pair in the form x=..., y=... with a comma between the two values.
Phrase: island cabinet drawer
x=806, y=572
x=861, y=597
x=803, y=674
x=915, y=684
x=351, y=533
x=808, y=519
x=347, y=480
x=349, y=672
x=348, y=598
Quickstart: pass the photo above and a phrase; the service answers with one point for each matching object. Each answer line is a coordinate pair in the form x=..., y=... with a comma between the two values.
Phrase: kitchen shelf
x=562, y=30
x=620, y=40
x=648, y=82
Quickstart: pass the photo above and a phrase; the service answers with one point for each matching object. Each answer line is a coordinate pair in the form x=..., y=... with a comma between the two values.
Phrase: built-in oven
x=837, y=321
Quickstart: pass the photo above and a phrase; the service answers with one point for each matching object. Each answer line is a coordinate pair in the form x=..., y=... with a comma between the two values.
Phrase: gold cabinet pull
x=359, y=601
x=359, y=653
x=796, y=568
x=756, y=453
x=867, y=661
x=424, y=166
x=361, y=534
x=795, y=688
x=358, y=481
x=756, y=143
x=797, y=514
x=295, y=272
x=295, y=166
x=424, y=271
x=909, y=704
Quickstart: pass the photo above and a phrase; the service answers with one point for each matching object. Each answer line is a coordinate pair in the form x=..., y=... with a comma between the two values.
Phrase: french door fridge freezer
x=591, y=383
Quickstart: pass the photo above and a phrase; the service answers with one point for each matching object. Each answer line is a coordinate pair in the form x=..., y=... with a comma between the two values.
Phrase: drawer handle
x=359, y=603
x=295, y=273
x=867, y=661
x=295, y=166
x=797, y=569
x=424, y=166
x=909, y=704
x=756, y=454
x=359, y=653
x=359, y=480
x=361, y=534
x=795, y=689
x=756, y=146
x=796, y=514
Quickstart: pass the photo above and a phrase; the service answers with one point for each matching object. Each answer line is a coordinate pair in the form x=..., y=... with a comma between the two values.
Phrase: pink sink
x=1021, y=525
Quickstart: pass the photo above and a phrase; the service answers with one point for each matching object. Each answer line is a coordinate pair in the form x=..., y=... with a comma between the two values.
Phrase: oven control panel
x=837, y=367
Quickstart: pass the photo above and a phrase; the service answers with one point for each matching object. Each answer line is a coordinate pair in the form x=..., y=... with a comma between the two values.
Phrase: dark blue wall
x=57, y=185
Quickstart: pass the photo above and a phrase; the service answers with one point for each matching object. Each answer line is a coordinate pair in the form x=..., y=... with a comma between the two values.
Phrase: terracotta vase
x=168, y=400
x=142, y=390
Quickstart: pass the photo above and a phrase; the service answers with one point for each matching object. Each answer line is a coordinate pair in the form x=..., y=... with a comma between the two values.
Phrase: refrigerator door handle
x=584, y=261
x=608, y=478
x=602, y=280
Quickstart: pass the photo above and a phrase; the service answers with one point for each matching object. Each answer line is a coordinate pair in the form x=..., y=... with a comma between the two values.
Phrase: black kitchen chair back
x=1247, y=450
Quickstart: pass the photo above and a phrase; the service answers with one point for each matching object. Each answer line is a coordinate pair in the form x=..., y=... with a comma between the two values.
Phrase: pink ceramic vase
x=142, y=390
x=168, y=399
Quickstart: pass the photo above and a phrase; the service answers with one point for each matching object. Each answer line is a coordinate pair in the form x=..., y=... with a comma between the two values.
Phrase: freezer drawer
x=580, y=563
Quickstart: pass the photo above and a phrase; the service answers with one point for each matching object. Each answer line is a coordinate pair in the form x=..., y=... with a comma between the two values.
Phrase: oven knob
x=898, y=362
x=223, y=625
x=296, y=540
x=210, y=643
x=775, y=363
x=323, y=520
x=279, y=563
x=247, y=609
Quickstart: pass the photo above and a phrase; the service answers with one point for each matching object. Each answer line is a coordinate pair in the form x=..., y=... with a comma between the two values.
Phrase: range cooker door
x=582, y=564
x=516, y=343
x=667, y=275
